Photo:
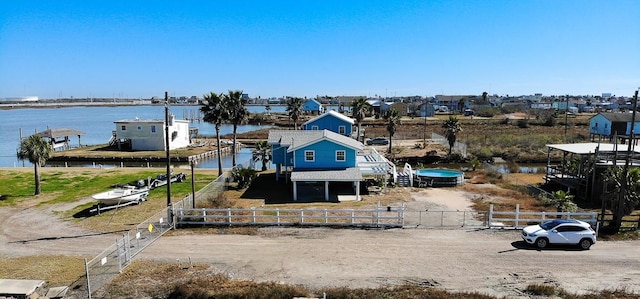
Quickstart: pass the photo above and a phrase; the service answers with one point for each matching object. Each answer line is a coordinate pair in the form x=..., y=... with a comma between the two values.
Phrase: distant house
x=332, y=121
x=312, y=106
x=316, y=159
x=149, y=134
x=610, y=124
x=426, y=110
x=402, y=108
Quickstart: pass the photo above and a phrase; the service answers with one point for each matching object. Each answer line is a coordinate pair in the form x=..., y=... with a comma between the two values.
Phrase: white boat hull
x=121, y=196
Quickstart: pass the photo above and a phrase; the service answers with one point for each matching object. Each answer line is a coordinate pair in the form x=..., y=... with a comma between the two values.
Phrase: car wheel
x=585, y=244
x=542, y=242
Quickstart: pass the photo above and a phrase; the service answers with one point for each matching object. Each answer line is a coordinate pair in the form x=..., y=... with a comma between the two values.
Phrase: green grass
x=63, y=186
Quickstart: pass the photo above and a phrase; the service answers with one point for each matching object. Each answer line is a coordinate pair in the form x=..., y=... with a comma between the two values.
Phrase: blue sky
x=304, y=48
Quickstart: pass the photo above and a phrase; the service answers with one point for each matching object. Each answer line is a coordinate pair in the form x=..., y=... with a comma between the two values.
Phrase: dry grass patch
x=56, y=270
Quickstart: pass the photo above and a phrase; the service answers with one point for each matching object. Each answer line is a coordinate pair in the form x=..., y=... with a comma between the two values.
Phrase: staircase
x=403, y=180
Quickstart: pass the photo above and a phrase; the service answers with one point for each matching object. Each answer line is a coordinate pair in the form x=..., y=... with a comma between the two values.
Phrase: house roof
x=619, y=117
x=313, y=101
x=347, y=175
x=295, y=139
x=589, y=148
x=55, y=133
x=334, y=114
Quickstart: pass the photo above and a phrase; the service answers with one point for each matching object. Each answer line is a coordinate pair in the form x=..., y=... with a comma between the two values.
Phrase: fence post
x=517, y=215
x=543, y=216
x=441, y=218
x=464, y=217
x=253, y=214
x=229, y=215
x=301, y=216
x=326, y=216
x=353, y=215
x=490, y=216
x=204, y=216
x=278, y=216
x=86, y=268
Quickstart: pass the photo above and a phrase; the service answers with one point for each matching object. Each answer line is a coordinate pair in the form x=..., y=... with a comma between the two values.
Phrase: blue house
x=610, y=124
x=312, y=106
x=332, y=121
x=315, y=158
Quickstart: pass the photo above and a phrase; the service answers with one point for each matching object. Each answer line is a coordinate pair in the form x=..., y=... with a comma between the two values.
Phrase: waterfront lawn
x=73, y=187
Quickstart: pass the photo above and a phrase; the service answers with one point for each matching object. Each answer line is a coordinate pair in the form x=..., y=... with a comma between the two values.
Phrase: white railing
x=381, y=217
x=518, y=219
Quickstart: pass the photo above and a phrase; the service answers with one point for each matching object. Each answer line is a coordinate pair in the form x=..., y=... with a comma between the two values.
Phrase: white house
x=148, y=134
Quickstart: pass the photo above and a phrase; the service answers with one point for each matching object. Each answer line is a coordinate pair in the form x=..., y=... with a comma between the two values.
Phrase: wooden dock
x=97, y=155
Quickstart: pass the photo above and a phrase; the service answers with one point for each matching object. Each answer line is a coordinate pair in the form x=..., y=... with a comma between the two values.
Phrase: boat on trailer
x=122, y=194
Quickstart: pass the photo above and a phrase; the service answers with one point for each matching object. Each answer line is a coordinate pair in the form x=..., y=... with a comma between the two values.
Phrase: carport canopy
x=346, y=175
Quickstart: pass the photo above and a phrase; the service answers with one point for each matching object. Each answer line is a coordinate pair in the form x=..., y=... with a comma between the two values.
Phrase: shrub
x=243, y=176
x=523, y=123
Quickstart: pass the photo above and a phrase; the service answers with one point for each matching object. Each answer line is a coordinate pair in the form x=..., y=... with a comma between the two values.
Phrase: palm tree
x=392, y=117
x=360, y=107
x=37, y=151
x=267, y=108
x=238, y=113
x=451, y=129
x=622, y=200
x=562, y=201
x=215, y=112
x=262, y=152
x=294, y=109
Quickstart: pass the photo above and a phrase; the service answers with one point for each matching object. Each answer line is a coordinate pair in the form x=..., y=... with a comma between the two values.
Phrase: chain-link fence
x=109, y=263
x=424, y=219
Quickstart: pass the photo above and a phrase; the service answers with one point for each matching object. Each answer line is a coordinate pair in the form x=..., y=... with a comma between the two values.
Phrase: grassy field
x=75, y=186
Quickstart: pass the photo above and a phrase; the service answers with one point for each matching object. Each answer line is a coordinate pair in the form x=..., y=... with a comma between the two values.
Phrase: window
x=309, y=156
x=123, y=128
x=342, y=130
x=314, y=128
x=153, y=128
x=341, y=156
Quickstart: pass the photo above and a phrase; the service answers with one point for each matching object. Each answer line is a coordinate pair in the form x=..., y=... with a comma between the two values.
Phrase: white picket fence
x=518, y=219
x=379, y=217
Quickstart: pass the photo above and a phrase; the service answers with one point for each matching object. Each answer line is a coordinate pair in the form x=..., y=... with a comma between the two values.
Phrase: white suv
x=560, y=231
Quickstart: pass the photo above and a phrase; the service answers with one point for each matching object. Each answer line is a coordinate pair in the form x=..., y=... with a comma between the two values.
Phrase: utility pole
x=625, y=170
x=566, y=117
x=166, y=147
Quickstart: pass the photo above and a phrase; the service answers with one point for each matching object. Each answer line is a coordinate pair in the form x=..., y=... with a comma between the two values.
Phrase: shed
x=149, y=134
x=59, y=138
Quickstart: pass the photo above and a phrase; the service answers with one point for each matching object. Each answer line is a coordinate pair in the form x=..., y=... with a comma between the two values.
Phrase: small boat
x=161, y=180
x=121, y=195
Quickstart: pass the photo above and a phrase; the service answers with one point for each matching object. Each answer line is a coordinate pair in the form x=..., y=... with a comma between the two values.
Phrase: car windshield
x=550, y=224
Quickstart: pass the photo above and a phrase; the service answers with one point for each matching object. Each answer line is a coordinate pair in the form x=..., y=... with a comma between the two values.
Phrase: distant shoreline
x=56, y=104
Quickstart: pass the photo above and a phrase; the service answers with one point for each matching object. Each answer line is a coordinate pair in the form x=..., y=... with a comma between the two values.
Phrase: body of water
x=97, y=123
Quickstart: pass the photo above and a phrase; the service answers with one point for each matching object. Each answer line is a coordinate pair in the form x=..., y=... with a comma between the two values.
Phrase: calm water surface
x=97, y=123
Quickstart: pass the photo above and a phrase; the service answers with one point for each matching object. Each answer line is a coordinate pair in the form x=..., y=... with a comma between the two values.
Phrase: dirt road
x=494, y=262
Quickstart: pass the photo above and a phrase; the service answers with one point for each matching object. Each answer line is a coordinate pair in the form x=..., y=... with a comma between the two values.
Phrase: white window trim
x=315, y=128
x=313, y=153
x=344, y=155
x=342, y=130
